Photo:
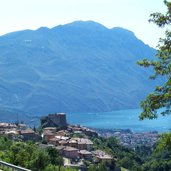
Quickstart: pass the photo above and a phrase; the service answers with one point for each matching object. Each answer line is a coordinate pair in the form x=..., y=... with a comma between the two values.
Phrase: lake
x=121, y=119
x=124, y=119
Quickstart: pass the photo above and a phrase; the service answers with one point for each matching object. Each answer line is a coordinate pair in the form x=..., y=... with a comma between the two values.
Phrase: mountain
x=78, y=67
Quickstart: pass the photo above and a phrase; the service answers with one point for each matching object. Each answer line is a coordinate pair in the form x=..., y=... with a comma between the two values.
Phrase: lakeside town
x=74, y=141
x=129, y=138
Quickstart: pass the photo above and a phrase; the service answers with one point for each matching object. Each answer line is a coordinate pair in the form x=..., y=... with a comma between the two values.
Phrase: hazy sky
x=130, y=14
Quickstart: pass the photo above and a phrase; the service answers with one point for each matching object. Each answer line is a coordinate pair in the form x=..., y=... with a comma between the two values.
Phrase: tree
x=165, y=142
x=102, y=166
x=55, y=157
x=161, y=97
x=39, y=161
x=51, y=167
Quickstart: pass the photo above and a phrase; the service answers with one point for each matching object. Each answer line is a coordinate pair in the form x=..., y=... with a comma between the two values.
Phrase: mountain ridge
x=73, y=68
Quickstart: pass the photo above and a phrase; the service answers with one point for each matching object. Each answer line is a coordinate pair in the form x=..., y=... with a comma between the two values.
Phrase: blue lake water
x=123, y=119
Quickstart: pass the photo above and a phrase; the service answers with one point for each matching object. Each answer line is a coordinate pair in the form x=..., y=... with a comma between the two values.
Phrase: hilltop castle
x=54, y=120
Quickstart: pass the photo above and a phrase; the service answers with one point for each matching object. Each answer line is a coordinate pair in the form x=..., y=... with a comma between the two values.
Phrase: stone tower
x=54, y=120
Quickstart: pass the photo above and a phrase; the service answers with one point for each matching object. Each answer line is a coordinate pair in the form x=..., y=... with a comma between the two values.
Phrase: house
x=60, y=149
x=47, y=134
x=62, y=143
x=58, y=140
x=29, y=134
x=62, y=133
x=22, y=126
x=12, y=132
x=70, y=152
x=81, y=143
x=102, y=156
x=6, y=127
x=85, y=144
x=44, y=146
x=51, y=129
x=62, y=138
x=73, y=143
x=90, y=132
x=85, y=155
x=53, y=141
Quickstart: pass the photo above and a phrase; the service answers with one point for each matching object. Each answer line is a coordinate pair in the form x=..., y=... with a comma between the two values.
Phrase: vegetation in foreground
x=142, y=158
x=161, y=97
x=28, y=155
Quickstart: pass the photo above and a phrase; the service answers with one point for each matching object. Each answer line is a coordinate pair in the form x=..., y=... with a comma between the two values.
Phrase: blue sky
x=130, y=14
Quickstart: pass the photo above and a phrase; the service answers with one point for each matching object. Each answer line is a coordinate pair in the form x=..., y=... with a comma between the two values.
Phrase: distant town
x=129, y=138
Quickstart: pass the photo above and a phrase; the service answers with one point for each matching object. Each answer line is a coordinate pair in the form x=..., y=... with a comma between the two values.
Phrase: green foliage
x=125, y=156
x=161, y=97
x=4, y=143
x=51, y=167
x=158, y=161
x=39, y=160
x=142, y=158
x=4, y=169
x=28, y=155
x=102, y=167
x=92, y=167
x=165, y=142
x=99, y=167
x=144, y=151
x=55, y=157
x=73, y=135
